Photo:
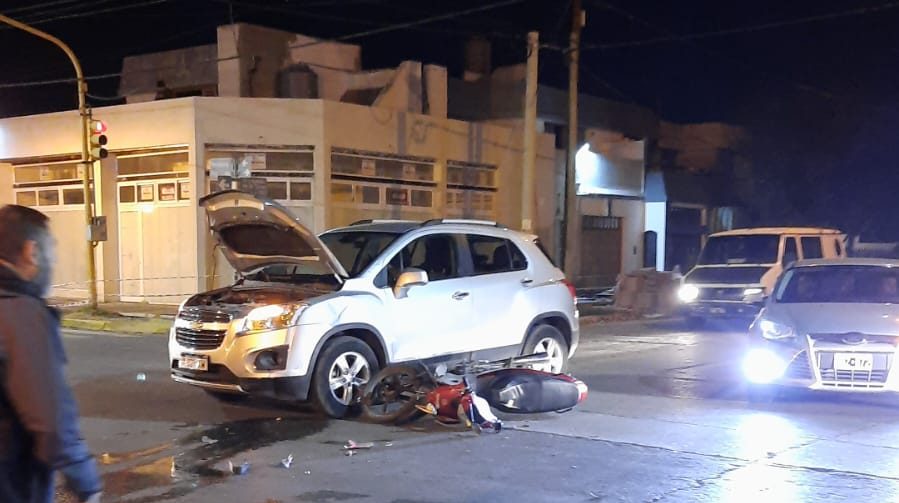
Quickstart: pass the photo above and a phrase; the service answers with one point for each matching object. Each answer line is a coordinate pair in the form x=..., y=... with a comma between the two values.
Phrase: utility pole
x=528, y=189
x=86, y=162
x=570, y=216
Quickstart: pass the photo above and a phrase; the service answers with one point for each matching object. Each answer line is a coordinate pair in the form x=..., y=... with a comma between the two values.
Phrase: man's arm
x=36, y=388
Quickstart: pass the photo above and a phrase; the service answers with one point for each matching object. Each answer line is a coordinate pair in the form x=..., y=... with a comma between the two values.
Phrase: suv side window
x=491, y=255
x=811, y=247
x=791, y=253
x=436, y=254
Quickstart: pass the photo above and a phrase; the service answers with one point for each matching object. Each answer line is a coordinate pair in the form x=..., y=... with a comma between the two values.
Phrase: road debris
x=141, y=377
x=388, y=444
x=286, y=462
x=208, y=441
x=350, y=453
x=239, y=470
x=308, y=472
x=351, y=445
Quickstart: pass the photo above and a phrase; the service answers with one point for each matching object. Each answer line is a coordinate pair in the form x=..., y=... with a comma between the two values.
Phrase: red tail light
x=571, y=288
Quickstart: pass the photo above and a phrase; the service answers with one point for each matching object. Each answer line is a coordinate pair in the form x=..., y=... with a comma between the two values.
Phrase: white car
x=830, y=324
x=316, y=317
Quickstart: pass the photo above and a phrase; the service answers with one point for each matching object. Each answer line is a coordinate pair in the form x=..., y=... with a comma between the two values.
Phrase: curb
x=151, y=326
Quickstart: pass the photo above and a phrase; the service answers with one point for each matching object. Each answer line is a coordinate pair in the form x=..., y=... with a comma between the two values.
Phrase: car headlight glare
x=688, y=293
x=762, y=366
x=773, y=331
x=273, y=317
x=753, y=291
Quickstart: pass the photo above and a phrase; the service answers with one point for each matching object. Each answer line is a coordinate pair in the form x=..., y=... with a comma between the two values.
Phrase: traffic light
x=98, y=140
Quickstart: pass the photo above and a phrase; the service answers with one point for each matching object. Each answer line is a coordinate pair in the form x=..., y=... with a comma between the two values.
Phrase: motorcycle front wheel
x=391, y=396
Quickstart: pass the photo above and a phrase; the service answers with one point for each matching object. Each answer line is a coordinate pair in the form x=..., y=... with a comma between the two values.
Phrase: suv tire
x=347, y=359
x=548, y=338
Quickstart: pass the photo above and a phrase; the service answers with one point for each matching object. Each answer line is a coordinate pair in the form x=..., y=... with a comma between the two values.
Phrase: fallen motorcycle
x=466, y=392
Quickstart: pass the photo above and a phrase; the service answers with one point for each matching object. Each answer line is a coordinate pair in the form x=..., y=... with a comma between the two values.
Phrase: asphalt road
x=666, y=421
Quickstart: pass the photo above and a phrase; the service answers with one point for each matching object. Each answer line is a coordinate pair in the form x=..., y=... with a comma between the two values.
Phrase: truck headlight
x=688, y=293
x=775, y=331
x=273, y=317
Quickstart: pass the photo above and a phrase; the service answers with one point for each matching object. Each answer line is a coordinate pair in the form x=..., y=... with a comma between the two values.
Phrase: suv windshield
x=355, y=250
x=840, y=284
x=749, y=249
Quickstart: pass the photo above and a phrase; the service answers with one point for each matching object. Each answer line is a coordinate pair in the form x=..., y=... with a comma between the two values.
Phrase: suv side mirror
x=409, y=278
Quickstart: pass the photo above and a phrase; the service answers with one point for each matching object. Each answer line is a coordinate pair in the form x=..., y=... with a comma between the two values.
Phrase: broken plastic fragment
x=351, y=445
x=308, y=472
x=239, y=470
x=141, y=377
x=286, y=462
x=208, y=441
x=388, y=444
x=350, y=453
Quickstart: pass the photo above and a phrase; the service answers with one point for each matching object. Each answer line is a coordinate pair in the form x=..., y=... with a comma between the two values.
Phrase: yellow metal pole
x=85, y=146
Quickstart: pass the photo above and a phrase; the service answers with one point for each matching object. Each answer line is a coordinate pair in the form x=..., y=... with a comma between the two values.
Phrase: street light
x=85, y=149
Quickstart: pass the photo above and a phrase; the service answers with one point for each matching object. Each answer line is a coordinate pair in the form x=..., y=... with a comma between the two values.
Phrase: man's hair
x=19, y=224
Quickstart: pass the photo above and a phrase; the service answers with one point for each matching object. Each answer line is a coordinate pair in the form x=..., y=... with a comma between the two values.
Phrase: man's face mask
x=46, y=256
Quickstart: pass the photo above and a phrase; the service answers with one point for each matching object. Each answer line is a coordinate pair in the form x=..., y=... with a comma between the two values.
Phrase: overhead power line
x=351, y=36
x=735, y=30
x=90, y=12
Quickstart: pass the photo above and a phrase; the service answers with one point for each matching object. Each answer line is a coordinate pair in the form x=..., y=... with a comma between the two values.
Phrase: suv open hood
x=255, y=233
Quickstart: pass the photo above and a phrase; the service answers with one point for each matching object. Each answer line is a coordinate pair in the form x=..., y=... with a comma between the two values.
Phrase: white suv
x=317, y=317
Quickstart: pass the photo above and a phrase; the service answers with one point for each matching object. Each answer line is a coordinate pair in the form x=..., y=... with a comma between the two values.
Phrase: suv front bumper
x=707, y=309
x=231, y=366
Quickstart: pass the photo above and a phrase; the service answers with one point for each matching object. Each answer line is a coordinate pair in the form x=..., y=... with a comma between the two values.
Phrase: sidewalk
x=118, y=317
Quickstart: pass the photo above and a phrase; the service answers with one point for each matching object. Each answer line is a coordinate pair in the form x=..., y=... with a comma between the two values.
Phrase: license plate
x=191, y=362
x=853, y=361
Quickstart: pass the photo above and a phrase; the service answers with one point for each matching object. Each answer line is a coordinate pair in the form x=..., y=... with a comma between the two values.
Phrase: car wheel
x=547, y=339
x=391, y=396
x=342, y=371
x=226, y=397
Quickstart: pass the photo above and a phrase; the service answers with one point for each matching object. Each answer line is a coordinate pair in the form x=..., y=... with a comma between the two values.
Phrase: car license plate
x=191, y=362
x=853, y=361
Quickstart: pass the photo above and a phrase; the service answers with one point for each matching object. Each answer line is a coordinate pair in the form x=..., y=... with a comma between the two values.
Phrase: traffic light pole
x=85, y=148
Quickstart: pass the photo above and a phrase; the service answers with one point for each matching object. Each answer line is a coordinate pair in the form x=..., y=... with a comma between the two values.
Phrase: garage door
x=600, y=251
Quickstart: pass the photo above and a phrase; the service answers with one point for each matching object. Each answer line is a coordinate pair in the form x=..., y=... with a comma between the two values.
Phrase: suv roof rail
x=376, y=221
x=435, y=221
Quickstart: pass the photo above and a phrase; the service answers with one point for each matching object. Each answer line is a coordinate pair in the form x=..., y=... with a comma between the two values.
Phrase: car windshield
x=840, y=284
x=750, y=249
x=355, y=250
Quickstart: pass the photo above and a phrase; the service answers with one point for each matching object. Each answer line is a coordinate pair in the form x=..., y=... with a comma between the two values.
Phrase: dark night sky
x=818, y=91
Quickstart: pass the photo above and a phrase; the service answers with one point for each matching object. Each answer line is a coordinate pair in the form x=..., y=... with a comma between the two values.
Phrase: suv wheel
x=547, y=339
x=342, y=371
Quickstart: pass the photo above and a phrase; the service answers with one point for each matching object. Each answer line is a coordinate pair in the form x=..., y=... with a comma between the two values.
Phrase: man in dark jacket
x=39, y=433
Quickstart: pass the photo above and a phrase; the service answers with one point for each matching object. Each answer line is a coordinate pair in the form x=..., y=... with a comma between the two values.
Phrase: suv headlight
x=273, y=317
x=688, y=293
x=773, y=331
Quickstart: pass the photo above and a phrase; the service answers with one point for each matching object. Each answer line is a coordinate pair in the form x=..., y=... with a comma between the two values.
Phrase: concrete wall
x=390, y=131
x=191, y=67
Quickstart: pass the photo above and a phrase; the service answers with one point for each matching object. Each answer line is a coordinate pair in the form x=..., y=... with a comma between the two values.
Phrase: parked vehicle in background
x=737, y=269
x=829, y=324
x=318, y=316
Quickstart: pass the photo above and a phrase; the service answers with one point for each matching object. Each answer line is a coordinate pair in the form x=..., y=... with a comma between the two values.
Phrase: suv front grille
x=194, y=314
x=724, y=293
x=199, y=339
x=198, y=335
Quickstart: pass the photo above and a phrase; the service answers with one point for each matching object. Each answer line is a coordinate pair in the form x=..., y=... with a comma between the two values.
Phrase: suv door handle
x=526, y=281
x=460, y=295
